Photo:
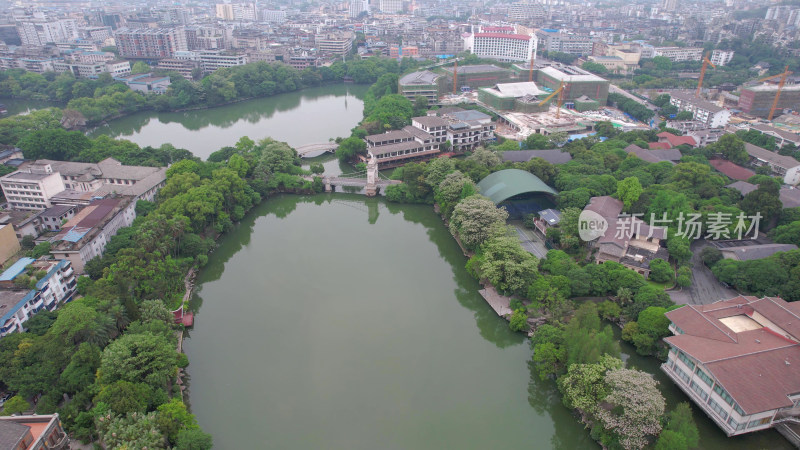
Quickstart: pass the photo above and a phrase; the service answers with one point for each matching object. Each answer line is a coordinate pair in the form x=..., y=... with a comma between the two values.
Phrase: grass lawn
x=666, y=285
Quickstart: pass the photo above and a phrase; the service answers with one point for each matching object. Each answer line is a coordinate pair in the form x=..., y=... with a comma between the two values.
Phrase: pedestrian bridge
x=370, y=179
x=312, y=150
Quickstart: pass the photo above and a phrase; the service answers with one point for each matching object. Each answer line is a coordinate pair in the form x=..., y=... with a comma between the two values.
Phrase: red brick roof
x=731, y=170
x=758, y=367
x=676, y=140
x=659, y=145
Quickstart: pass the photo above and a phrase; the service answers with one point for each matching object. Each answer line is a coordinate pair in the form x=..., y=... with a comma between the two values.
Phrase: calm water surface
x=304, y=117
x=341, y=322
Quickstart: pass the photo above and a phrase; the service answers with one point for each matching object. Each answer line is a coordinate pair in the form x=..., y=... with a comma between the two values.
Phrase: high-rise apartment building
x=503, y=43
x=38, y=33
x=155, y=43
x=391, y=6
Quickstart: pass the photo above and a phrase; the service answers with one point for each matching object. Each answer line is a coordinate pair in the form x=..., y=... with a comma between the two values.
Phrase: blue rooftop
x=16, y=269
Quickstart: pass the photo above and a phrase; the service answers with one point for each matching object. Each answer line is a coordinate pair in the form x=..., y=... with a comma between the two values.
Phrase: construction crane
x=783, y=76
x=560, y=93
x=706, y=62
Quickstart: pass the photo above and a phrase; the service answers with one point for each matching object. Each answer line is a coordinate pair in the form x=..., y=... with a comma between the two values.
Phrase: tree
x=684, y=278
x=684, y=115
x=629, y=190
x=764, y=201
x=56, y=143
x=594, y=67
x=173, y=417
x=484, y=157
x=635, y=407
x=660, y=271
x=139, y=358
x=140, y=67
x=506, y=265
x=473, y=219
x=519, y=320
x=350, y=147
x=583, y=386
x=135, y=430
x=317, y=168
x=732, y=148
x=123, y=397
x=680, y=429
x=454, y=187
x=15, y=405
x=710, y=255
x=193, y=439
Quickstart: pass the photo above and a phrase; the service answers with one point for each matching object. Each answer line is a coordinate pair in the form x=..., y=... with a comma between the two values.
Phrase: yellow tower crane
x=783, y=76
x=560, y=93
x=706, y=63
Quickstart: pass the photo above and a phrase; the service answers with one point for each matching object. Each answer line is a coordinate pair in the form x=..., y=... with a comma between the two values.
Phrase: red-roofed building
x=731, y=170
x=659, y=145
x=739, y=360
x=675, y=141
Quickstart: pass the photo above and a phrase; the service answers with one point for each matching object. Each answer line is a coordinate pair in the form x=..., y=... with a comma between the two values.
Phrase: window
x=704, y=377
x=724, y=394
x=758, y=422
x=717, y=408
x=686, y=360
x=699, y=390
x=735, y=425
x=684, y=376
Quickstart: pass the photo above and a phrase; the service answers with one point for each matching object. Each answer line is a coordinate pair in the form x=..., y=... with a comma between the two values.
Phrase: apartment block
x=710, y=114
x=150, y=43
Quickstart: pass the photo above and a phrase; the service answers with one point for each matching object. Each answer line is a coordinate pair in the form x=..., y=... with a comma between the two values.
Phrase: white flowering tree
x=633, y=408
x=474, y=218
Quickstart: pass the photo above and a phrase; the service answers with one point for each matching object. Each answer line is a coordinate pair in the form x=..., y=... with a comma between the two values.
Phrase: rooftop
x=517, y=89
x=731, y=170
x=480, y=68
x=790, y=197
x=743, y=187
x=698, y=102
x=555, y=156
x=736, y=352
x=504, y=184
x=425, y=77
x=787, y=162
x=571, y=74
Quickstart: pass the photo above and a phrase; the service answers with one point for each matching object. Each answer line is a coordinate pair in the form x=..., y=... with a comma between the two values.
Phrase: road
x=529, y=240
x=705, y=287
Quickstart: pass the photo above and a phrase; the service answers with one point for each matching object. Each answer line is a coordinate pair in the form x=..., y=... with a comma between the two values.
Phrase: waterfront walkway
x=499, y=303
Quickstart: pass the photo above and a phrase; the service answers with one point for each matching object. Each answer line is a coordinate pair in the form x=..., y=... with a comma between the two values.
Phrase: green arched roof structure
x=504, y=184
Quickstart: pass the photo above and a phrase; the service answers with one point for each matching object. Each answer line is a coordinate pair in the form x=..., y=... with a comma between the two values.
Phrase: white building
x=273, y=16
x=526, y=11
x=679, y=53
x=502, y=43
x=357, y=7
x=20, y=304
x=86, y=235
x=32, y=189
x=738, y=360
x=390, y=6
x=721, y=57
x=782, y=166
x=335, y=43
x=237, y=11
x=710, y=114
x=40, y=32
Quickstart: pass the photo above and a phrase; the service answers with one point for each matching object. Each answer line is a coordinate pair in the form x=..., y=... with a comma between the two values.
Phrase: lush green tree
x=173, y=417
x=80, y=372
x=454, y=187
x=660, y=271
x=135, y=430
x=732, y=148
x=392, y=111
x=350, y=147
x=485, y=157
x=684, y=278
x=519, y=320
x=15, y=405
x=764, y=201
x=437, y=169
x=629, y=190
x=123, y=397
x=139, y=358
x=594, y=67
x=680, y=429
x=684, y=115
x=474, y=217
x=54, y=143
x=506, y=265
x=710, y=255
x=193, y=439
x=140, y=67
x=583, y=387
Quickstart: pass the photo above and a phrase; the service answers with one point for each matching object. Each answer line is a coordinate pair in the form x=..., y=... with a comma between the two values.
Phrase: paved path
x=499, y=303
x=705, y=287
x=530, y=241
